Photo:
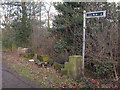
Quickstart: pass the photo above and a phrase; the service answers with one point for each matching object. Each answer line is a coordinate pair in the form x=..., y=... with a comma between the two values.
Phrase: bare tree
x=48, y=11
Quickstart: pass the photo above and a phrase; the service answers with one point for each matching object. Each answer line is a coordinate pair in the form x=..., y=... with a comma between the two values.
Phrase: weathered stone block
x=24, y=50
x=73, y=67
x=38, y=57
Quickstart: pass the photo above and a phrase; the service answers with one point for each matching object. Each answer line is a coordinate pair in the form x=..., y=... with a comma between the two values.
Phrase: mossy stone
x=37, y=57
x=45, y=58
x=27, y=55
x=73, y=67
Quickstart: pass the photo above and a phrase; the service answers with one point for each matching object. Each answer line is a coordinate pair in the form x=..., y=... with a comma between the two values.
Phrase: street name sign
x=89, y=15
x=96, y=14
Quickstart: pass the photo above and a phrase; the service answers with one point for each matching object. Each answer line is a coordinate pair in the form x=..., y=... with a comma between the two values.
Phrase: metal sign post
x=89, y=15
x=83, y=52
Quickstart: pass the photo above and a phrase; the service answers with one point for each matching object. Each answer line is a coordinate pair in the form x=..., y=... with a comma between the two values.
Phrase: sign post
x=83, y=51
x=89, y=15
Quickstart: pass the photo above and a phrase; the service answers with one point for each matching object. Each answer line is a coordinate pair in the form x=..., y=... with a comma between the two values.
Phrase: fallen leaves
x=48, y=77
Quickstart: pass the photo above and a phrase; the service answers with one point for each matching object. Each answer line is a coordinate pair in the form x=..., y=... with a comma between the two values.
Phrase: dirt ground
x=10, y=79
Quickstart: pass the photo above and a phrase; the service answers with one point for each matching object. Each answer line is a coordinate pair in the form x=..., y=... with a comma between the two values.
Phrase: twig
x=116, y=76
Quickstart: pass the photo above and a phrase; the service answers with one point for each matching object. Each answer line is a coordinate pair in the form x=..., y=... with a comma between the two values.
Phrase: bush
x=61, y=59
x=7, y=42
x=60, y=46
x=100, y=68
x=51, y=62
x=14, y=47
x=57, y=66
x=103, y=68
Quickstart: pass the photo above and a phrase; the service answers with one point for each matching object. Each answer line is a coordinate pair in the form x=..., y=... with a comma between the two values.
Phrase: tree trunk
x=24, y=18
x=48, y=12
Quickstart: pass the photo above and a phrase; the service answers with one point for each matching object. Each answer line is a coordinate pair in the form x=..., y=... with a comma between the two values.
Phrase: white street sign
x=96, y=14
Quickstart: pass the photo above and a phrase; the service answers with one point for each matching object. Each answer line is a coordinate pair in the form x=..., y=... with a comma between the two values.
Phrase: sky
x=113, y=0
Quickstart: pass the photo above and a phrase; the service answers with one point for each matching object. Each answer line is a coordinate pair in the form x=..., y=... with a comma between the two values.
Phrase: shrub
x=61, y=59
x=59, y=46
x=100, y=68
x=51, y=62
x=14, y=47
x=7, y=42
x=57, y=66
